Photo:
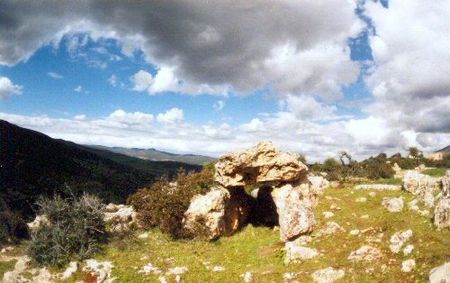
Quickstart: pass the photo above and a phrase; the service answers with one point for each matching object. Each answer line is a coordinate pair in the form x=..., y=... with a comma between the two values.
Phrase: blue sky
x=82, y=86
x=315, y=78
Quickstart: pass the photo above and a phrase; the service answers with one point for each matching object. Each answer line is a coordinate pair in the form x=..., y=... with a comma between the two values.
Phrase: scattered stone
x=399, y=239
x=71, y=269
x=7, y=249
x=424, y=212
x=178, y=270
x=290, y=276
x=378, y=187
x=408, y=265
x=408, y=249
x=361, y=199
x=143, y=236
x=440, y=274
x=327, y=275
x=365, y=253
x=354, y=232
x=330, y=228
x=365, y=216
x=218, y=268
x=442, y=214
x=412, y=205
x=100, y=270
x=372, y=194
x=39, y=221
x=318, y=183
x=327, y=214
x=334, y=206
x=121, y=218
x=150, y=269
x=335, y=184
x=296, y=252
x=393, y=204
x=247, y=277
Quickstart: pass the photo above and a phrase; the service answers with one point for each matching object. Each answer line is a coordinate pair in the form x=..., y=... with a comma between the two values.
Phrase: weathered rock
x=365, y=253
x=150, y=269
x=219, y=212
x=442, y=214
x=39, y=221
x=408, y=265
x=399, y=239
x=327, y=214
x=330, y=228
x=445, y=192
x=247, y=277
x=295, y=252
x=378, y=187
x=327, y=275
x=440, y=274
x=71, y=269
x=100, y=270
x=262, y=163
x=393, y=204
x=318, y=183
x=294, y=210
x=408, y=249
x=418, y=184
x=120, y=218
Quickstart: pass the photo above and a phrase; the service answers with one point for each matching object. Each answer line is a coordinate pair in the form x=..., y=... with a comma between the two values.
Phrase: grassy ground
x=435, y=172
x=259, y=251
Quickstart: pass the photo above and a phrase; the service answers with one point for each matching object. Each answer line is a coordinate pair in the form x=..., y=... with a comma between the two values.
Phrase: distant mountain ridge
x=157, y=155
x=33, y=165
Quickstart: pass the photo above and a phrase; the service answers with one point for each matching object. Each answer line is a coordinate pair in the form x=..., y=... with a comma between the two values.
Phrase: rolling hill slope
x=157, y=155
x=33, y=164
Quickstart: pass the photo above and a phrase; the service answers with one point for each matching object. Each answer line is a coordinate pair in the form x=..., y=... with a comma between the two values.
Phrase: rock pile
x=284, y=197
x=119, y=218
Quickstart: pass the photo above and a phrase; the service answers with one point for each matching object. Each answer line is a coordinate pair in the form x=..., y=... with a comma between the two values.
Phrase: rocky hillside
x=33, y=164
x=291, y=227
x=157, y=155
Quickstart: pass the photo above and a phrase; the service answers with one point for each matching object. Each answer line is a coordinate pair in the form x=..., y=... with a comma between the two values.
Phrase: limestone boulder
x=295, y=211
x=393, y=204
x=119, y=218
x=262, y=163
x=446, y=185
x=442, y=214
x=419, y=184
x=440, y=274
x=220, y=212
x=318, y=183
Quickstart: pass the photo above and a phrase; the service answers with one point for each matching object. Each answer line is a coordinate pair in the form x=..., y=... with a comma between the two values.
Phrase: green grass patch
x=435, y=172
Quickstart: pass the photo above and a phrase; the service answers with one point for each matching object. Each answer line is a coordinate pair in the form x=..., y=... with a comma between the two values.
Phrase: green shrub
x=435, y=172
x=164, y=203
x=75, y=230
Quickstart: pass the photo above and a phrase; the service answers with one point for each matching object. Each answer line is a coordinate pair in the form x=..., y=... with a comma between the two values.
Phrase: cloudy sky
x=315, y=77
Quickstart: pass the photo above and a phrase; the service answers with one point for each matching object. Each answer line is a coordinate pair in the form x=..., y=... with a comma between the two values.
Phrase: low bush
x=164, y=203
x=75, y=229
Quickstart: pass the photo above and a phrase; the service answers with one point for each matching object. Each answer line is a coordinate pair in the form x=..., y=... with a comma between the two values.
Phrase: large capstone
x=260, y=164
